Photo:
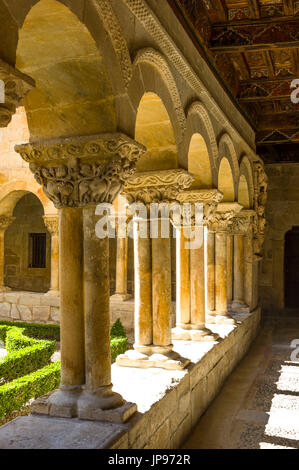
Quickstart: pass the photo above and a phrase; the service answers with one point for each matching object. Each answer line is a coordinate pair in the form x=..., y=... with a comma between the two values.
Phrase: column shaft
x=221, y=273
x=239, y=269
x=121, y=266
x=71, y=297
x=182, y=280
x=2, y=258
x=230, y=260
x=54, y=262
x=143, y=287
x=210, y=271
x=197, y=291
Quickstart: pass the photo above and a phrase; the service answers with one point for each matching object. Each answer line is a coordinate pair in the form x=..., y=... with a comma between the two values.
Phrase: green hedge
x=36, y=330
x=14, y=394
x=118, y=346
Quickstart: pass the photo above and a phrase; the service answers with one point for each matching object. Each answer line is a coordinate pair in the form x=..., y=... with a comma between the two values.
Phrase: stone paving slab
x=43, y=432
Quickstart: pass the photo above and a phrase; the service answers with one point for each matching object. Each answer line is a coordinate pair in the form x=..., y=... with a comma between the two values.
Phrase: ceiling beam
x=253, y=6
x=288, y=7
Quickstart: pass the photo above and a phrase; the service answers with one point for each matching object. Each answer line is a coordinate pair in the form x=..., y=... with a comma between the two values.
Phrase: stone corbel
x=221, y=220
x=16, y=87
x=51, y=222
x=82, y=171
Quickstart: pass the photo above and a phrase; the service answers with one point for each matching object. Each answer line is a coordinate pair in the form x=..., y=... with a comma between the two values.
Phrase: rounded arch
x=199, y=124
x=227, y=150
x=226, y=180
x=154, y=130
x=152, y=75
x=246, y=185
x=74, y=67
x=199, y=162
x=12, y=192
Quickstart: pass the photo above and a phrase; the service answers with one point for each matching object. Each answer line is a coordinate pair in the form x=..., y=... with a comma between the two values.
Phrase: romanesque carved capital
x=51, y=222
x=16, y=87
x=6, y=221
x=80, y=171
x=241, y=224
x=210, y=199
x=221, y=220
x=157, y=186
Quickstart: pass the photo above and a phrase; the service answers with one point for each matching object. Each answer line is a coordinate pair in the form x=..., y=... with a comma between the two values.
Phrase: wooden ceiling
x=254, y=47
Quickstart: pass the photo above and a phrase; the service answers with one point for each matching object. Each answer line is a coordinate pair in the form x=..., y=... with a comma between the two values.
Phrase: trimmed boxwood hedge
x=27, y=361
x=15, y=394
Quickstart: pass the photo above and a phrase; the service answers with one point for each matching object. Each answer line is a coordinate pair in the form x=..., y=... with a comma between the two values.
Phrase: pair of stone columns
x=217, y=263
x=191, y=262
x=152, y=257
x=77, y=174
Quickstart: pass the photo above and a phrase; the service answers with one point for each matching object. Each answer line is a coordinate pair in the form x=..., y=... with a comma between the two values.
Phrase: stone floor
x=258, y=408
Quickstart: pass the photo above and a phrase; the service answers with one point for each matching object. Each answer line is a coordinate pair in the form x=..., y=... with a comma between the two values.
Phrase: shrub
x=118, y=346
x=14, y=394
x=35, y=330
x=118, y=330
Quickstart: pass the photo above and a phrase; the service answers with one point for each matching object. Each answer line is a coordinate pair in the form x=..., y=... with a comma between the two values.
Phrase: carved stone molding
x=17, y=85
x=210, y=199
x=260, y=200
x=157, y=186
x=79, y=171
x=6, y=221
x=221, y=220
x=51, y=222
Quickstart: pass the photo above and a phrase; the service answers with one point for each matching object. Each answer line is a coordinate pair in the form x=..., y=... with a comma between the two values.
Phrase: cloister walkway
x=258, y=407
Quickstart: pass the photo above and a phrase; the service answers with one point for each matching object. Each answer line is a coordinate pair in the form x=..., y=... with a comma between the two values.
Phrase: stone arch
x=226, y=180
x=200, y=133
x=12, y=192
x=227, y=150
x=151, y=74
x=27, y=244
x=98, y=17
x=246, y=185
x=74, y=72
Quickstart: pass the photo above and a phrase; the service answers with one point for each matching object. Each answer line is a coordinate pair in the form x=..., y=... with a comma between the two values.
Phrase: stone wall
x=29, y=307
x=282, y=214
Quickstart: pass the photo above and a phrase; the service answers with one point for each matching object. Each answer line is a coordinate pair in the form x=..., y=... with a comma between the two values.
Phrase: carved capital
x=16, y=87
x=241, y=224
x=80, y=171
x=221, y=220
x=210, y=199
x=6, y=221
x=157, y=186
x=51, y=222
x=260, y=199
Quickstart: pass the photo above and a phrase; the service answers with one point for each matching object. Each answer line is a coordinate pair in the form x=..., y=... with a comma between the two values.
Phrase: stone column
x=239, y=228
x=210, y=282
x=121, y=292
x=191, y=314
x=5, y=222
x=220, y=224
x=153, y=272
x=77, y=174
x=230, y=260
x=51, y=223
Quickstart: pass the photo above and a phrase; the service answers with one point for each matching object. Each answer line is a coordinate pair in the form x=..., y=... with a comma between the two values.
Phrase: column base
x=121, y=297
x=193, y=334
x=61, y=403
x=239, y=307
x=152, y=356
x=53, y=293
x=220, y=319
x=5, y=289
x=104, y=405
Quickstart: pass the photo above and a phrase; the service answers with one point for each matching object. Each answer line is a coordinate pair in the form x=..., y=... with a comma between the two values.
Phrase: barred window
x=37, y=250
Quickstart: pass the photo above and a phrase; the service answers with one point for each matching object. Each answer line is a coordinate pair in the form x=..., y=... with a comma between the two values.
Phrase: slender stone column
x=153, y=307
x=210, y=283
x=248, y=275
x=121, y=292
x=239, y=228
x=85, y=171
x=230, y=260
x=5, y=222
x=183, y=317
x=51, y=222
x=191, y=267
x=220, y=224
x=143, y=285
